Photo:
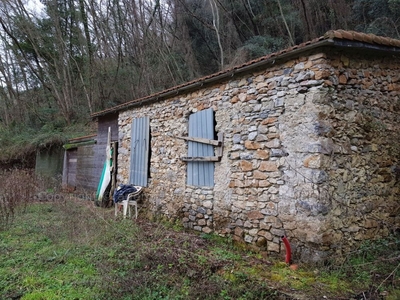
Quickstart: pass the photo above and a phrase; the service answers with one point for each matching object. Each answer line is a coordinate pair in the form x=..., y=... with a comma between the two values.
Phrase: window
x=201, y=125
x=140, y=152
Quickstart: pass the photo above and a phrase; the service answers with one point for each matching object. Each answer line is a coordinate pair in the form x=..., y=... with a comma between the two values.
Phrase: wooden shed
x=84, y=156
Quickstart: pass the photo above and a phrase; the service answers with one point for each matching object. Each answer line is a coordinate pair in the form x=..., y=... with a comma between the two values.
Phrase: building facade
x=302, y=143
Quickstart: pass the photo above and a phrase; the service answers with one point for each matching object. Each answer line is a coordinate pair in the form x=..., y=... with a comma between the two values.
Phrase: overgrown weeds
x=61, y=250
x=17, y=189
x=71, y=249
x=375, y=266
x=19, y=142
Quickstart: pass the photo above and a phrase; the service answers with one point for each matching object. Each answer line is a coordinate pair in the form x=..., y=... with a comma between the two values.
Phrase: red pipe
x=288, y=256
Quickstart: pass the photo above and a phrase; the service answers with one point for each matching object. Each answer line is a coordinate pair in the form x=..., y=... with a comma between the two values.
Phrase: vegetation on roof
x=20, y=144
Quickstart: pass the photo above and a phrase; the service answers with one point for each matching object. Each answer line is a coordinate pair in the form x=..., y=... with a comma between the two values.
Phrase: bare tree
x=286, y=25
x=215, y=15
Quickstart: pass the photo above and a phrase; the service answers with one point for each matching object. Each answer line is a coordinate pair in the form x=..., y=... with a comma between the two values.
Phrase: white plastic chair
x=131, y=200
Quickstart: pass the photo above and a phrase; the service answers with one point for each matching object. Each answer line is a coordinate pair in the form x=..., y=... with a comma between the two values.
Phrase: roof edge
x=216, y=77
x=337, y=38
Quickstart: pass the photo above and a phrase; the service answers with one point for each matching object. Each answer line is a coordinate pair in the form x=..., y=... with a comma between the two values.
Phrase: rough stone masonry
x=311, y=151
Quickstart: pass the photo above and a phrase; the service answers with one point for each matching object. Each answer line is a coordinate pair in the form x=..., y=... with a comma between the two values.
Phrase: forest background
x=65, y=59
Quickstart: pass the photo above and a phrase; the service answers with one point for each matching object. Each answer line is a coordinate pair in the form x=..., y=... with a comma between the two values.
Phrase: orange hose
x=288, y=256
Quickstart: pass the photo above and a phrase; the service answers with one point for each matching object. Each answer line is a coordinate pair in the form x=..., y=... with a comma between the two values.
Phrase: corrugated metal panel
x=201, y=124
x=140, y=136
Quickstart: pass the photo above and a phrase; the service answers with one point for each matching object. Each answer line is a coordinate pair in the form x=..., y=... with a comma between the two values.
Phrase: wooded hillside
x=66, y=59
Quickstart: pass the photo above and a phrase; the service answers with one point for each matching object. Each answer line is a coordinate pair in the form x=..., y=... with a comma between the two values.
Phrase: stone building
x=302, y=143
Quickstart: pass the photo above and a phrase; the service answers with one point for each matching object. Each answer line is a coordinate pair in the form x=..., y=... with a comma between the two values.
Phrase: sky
x=34, y=5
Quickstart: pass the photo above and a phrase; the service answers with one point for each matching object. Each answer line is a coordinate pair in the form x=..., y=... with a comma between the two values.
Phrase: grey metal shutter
x=201, y=125
x=140, y=133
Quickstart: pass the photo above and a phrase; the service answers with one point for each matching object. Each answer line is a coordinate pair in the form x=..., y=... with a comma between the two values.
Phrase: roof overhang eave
x=231, y=73
x=357, y=45
x=252, y=66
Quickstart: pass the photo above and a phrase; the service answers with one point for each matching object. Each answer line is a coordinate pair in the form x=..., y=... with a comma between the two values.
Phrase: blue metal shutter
x=140, y=133
x=201, y=125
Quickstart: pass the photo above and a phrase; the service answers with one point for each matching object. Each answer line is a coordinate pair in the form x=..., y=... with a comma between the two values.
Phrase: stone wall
x=359, y=133
x=311, y=151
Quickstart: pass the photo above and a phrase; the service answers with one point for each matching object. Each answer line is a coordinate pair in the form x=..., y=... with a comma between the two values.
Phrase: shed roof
x=333, y=38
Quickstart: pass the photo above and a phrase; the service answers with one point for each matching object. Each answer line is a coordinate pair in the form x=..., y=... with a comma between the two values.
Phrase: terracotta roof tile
x=362, y=37
x=330, y=35
x=392, y=42
x=347, y=35
x=366, y=38
x=380, y=40
x=357, y=36
x=337, y=34
x=395, y=43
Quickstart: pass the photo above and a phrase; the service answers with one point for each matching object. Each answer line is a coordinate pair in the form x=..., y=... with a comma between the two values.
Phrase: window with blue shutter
x=201, y=125
x=140, y=143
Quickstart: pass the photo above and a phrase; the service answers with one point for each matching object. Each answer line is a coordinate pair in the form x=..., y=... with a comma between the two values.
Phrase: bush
x=17, y=189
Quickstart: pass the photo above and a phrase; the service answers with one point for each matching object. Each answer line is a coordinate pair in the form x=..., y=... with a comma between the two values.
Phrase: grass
x=40, y=261
x=75, y=250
